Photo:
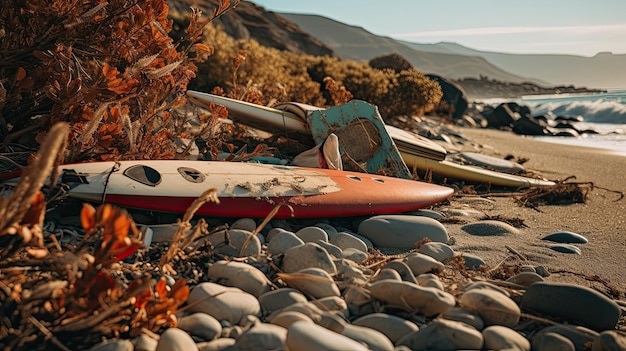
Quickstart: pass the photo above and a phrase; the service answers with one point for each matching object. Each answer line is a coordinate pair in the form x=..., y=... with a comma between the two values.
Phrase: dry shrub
x=109, y=69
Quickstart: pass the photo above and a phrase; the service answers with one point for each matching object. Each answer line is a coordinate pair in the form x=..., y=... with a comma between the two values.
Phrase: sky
x=574, y=27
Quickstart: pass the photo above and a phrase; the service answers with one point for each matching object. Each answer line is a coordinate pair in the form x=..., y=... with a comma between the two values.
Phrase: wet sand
x=601, y=219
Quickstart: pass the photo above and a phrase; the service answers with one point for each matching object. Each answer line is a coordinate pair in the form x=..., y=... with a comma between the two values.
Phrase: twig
x=47, y=333
x=515, y=252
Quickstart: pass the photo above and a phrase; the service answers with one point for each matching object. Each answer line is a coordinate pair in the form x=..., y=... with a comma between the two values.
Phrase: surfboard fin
x=324, y=155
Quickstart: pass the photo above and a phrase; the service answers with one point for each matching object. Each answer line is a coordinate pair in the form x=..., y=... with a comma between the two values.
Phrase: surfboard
x=471, y=174
x=247, y=189
x=416, y=151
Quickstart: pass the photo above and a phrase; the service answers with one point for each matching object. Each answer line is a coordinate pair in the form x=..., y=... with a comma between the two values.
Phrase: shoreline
x=601, y=219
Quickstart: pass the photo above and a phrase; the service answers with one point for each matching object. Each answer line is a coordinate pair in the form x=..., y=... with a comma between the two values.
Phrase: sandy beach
x=601, y=219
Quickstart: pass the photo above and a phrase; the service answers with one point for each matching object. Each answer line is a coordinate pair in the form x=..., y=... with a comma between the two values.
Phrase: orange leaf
x=180, y=292
x=20, y=74
x=88, y=217
x=203, y=47
x=36, y=211
x=161, y=289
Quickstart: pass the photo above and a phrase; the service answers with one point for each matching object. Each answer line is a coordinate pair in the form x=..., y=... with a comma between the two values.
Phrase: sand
x=601, y=219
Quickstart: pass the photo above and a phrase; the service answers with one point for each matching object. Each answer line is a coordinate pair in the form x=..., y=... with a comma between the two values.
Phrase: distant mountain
x=356, y=43
x=604, y=70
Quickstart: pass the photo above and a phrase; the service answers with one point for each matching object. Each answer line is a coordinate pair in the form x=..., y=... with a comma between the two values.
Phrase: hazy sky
x=528, y=26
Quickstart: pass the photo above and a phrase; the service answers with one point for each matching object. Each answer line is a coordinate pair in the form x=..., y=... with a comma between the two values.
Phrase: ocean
x=604, y=113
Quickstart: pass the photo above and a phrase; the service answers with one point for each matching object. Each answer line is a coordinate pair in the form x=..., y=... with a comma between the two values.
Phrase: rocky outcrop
x=453, y=95
x=249, y=21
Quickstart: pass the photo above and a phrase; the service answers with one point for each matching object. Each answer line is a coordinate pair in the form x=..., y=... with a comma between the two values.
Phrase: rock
x=412, y=297
x=453, y=95
x=247, y=224
x=329, y=229
x=572, y=303
x=333, y=250
x=221, y=344
x=388, y=273
x=144, y=342
x=359, y=301
x=565, y=248
x=236, y=239
x=306, y=256
x=609, y=340
x=174, y=339
x=497, y=337
x=401, y=231
x=305, y=308
x=429, y=280
x=579, y=336
x=332, y=304
x=525, y=278
x=402, y=268
x=303, y=336
x=314, y=282
x=355, y=255
x=261, y=337
x=551, y=341
x=223, y=303
x=275, y=231
x=492, y=306
x=287, y=318
x=344, y=241
x=239, y=275
x=312, y=234
x=277, y=299
x=113, y=345
x=566, y=237
x=392, y=326
x=489, y=228
x=201, y=325
x=282, y=241
x=472, y=262
x=502, y=116
x=486, y=285
x=428, y=213
x=421, y=263
x=528, y=125
x=444, y=335
x=466, y=316
x=375, y=340
x=439, y=251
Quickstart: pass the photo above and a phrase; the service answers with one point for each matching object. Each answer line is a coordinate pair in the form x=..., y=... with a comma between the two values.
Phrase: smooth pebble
x=332, y=249
x=498, y=337
x=492, y=306
x=345, y=241
x=223, y=303
x=464, y=315
x=551, y=341
x=247, y=224
x=444, y=335
x=525, y=278
x=472, y=262
x=412, y=297
x=394, y=327
x=174, y=339
x=572, y=303
x=439, y=251
x=113, y=345
x=261, y=337
x=566, y=237
x=306, y=256
x=565, y=248
x=201, y=325
x=303, y=336
x=277, y=299
x=609, y=340
x=312, y=234
x=240, y=275
x=402, y=231
x=282, y=241
x=313, y=282
x=421, y=263
x=489, y=228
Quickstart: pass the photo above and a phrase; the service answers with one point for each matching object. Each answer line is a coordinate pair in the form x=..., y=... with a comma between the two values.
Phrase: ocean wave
x=598, y=111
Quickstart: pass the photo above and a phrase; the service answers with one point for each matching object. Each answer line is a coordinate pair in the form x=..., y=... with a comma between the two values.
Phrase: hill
x=597, y=71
